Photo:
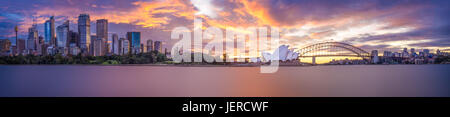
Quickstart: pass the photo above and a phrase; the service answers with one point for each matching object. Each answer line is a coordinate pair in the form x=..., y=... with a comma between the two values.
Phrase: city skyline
x=384, y=25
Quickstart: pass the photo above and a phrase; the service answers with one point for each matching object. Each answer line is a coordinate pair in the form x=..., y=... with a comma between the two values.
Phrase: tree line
x=142, y=58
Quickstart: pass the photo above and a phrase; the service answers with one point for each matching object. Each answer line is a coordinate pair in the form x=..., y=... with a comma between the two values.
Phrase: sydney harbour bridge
x=332, y=49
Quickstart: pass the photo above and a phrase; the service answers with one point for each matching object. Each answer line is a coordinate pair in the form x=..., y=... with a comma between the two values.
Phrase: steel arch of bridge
x=315, y=50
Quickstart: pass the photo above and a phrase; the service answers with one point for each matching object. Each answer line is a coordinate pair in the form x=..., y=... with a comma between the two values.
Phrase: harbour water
x=172, y=81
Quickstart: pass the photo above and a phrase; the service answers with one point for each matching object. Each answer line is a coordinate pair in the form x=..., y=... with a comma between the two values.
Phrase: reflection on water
x=352, y=80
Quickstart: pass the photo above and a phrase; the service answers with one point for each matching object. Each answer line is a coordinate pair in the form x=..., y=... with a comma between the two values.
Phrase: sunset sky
x=369, y=24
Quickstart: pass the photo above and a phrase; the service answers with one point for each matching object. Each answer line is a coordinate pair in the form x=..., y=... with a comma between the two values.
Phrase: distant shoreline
x=197, y=65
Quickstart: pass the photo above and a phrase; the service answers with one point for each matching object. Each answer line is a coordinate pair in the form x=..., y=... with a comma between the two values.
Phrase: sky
x=368, y=24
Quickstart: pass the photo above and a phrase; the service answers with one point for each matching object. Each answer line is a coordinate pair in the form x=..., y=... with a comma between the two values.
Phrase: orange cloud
x=259, y=11
x=145, y=14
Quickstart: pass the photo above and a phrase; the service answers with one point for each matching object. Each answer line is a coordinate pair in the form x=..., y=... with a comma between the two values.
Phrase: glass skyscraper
x=84, y=30
x=49, y=31
x=33, y=39
x=135, y=41
x=63, y=35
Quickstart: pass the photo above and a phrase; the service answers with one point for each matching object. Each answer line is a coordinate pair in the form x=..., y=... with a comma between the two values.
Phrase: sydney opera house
x=282, y=53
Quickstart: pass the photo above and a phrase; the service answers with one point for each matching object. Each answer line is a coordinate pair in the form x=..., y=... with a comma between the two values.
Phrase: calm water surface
x=163, y=81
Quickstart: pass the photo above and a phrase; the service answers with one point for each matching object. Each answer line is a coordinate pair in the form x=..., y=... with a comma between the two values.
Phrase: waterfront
x=168, y=81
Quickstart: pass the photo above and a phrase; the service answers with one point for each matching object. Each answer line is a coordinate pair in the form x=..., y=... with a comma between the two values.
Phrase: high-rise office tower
x=33, y=38
x=102, y=29
x=21, y=46
x=63, y=35
x=115, y=44
x=99, y=47
x=149, y=45
x=102, y=33
x=49, y=31
x=125, y=46
x=134, y=39
x=92, y=44
x=120, y=46
x=158, y=46
x=84, y=30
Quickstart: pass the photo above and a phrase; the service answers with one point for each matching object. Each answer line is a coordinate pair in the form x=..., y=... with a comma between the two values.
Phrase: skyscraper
x=102, y=33
x=5, y=46
x=134, y=39
x=99, y=47
x=120, y=46
x=92, y=45
x=63, y=35
x=33, y=38
x=115, y=44
x=84, y=30
x=374, y=55
x=102, y=28
x=74, y=38
x=158, y=46
x=149, y=45
x=125, y=46
x=39, y=43
x=49, y=30
x=21, y=46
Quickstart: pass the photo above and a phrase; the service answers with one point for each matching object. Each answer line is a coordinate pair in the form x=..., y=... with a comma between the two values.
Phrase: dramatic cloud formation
x=377, y=24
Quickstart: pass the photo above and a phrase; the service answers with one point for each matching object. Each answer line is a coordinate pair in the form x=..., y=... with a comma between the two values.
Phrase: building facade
x=84, y=30
x=33, y=38
x=5, y=46
x=125, y=46
x=102, y=33
x=149, y=45
x=63, y=35
x=49, y=31
x=158, y=46
x=115, y=44
x=134, y=39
